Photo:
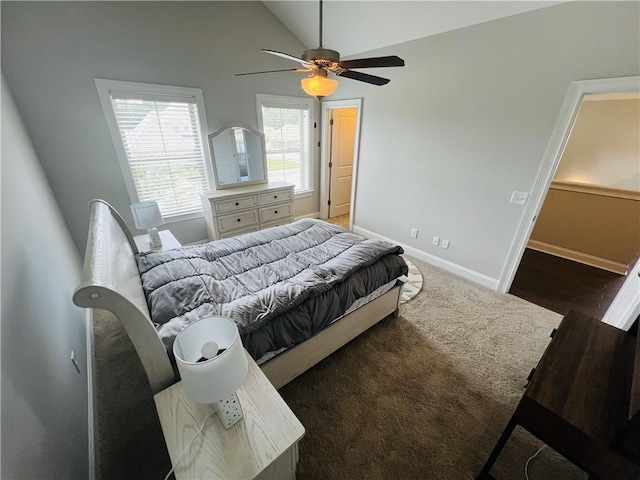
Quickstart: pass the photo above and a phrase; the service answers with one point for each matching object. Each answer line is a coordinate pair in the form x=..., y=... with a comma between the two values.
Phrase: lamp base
x=229, y=410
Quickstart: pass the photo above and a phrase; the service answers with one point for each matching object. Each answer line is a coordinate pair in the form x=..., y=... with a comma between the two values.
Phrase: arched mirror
x=238, y=155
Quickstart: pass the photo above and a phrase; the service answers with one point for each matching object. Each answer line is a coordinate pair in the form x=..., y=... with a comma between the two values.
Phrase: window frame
x=275, y=101
x=161, y=92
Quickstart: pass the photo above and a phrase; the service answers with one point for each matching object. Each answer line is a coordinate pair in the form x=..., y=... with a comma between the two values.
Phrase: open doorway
x=339, y=158
x=587, y=235
x=601, y=187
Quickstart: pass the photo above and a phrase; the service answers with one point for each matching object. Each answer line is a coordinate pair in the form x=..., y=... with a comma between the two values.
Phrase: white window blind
x=286, y=127
x=161, y=138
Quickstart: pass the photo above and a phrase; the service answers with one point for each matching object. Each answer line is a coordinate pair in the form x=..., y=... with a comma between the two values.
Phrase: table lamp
x=212, y=364
x=147, y=216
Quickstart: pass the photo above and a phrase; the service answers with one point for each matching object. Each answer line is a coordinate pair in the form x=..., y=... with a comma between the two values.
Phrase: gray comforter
x=279, y=285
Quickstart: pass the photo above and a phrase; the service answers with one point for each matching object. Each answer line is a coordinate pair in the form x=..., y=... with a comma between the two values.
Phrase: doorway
x=340, y=138
x=339, y=159
x=557, y=144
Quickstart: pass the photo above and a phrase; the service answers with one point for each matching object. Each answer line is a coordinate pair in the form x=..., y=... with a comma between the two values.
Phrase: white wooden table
x=263, y=445
x=169, y=242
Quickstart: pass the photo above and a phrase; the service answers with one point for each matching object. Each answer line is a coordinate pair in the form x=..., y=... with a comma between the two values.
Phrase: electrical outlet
x=414, y=233
x=445, y=243
x=436, y=241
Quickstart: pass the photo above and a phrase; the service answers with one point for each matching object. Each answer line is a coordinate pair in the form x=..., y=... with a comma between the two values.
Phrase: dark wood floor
x=560, y=285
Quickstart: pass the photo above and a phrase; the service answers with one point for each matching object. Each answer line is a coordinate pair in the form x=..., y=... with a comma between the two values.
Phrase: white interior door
x=328, y=106
x=341, y=151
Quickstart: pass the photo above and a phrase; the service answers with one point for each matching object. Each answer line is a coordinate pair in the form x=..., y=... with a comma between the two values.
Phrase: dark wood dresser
x=583, y=399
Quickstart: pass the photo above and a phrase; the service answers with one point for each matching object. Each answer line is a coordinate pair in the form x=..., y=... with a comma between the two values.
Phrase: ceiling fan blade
x=272, y=71
x=364, y=77
x=285, y=55
x=390, y=61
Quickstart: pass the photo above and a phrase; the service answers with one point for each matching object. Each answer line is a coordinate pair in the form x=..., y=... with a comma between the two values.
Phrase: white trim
x=308, y=215
x=308, y=193
x=595, y=190
x=454, y=268
x=183, y=217
x=580, y=257
x=324, y=164
x=625, y=308
x=559, y=137
x=105, y=87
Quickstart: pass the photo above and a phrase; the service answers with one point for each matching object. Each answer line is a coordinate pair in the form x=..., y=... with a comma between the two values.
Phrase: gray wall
x=468, y=119
x=465, y=123
x=53, y=51
x=44, y=399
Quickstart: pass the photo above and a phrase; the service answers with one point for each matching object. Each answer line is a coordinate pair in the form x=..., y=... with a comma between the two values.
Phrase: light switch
x=519, y=198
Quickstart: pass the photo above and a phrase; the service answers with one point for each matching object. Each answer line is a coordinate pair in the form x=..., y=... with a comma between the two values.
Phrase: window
x=286, y=124
x=158, y=135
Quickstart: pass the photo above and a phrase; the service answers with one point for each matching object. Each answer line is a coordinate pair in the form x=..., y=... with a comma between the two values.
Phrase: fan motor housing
x=330, y=56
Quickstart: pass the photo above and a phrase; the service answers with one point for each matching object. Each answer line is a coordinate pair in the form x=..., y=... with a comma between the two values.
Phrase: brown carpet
x=422, y=396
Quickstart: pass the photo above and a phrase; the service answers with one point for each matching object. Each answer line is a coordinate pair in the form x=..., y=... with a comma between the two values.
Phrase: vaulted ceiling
x=353, y=27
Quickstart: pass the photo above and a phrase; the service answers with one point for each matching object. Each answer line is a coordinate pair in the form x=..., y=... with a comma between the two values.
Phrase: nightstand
x=263, y=445
x=169, y=242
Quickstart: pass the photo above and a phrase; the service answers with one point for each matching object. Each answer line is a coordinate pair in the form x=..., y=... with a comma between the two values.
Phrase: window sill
x=184, y=217
x=305, y=194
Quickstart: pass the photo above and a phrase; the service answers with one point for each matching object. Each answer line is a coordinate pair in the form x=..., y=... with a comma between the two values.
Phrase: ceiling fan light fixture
x=319, y=85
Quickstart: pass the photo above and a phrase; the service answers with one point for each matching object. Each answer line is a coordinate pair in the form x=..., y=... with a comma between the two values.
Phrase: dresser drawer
x=254, y=228
x=241, y=203
x=275, y=197
x=271, y=214
x=239, y=221
x=277, y=223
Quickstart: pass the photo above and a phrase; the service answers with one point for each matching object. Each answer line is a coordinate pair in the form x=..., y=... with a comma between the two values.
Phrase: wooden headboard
x=110, y=281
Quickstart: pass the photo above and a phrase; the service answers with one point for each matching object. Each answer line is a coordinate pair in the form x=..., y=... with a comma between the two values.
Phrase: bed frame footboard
x=286, y=366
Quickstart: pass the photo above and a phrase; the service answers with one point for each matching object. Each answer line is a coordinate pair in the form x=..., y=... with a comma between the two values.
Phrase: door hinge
x=329, y=203
x=330, y=164
x=331, y=122
x=314, y=125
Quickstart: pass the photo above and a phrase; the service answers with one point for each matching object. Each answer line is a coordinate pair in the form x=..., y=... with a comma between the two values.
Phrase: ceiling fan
x=320, y=61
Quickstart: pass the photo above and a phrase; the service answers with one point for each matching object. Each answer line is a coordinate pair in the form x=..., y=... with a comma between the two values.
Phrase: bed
x=285, y=277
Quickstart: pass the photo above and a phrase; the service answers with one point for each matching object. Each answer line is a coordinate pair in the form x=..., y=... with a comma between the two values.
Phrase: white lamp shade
x=146, y=215
x=209, y=381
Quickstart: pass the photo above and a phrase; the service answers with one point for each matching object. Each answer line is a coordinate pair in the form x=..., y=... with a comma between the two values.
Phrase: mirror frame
x=223, y=186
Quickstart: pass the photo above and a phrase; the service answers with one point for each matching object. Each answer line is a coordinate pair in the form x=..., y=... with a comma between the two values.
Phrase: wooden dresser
x=247, y=209
x=584, y=400
x=261, y=446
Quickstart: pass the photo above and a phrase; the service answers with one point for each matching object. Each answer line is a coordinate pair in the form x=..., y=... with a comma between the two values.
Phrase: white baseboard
x=579, y=257
x=454, y=268
x=308, y=215
x=625, y=308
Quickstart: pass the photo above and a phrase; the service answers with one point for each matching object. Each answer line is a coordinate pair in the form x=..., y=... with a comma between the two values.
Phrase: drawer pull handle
x=275, y=196
x=239, y=220
x=237, y=203
x=276, y=212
